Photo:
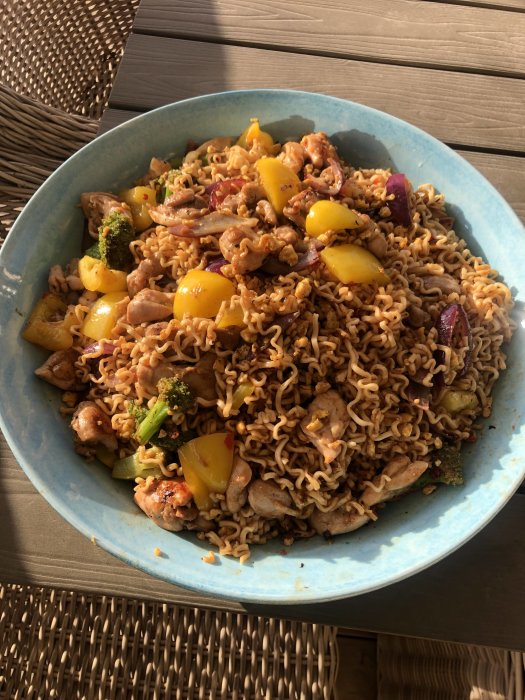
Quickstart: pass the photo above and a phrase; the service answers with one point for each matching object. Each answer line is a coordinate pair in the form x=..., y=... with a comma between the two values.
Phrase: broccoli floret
x=449, y=471
x=114, y=237
x=175, y=396
x=170, y=444
x=93, y=251
x=138, y=412
x=176, y=393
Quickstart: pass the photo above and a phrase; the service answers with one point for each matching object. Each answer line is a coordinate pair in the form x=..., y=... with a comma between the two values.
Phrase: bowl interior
x=412, y=533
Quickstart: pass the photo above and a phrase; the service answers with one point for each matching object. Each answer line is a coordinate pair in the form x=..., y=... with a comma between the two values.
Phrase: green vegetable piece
x=170, y=444
x=131, y=468
x=114, y=236
x=93, y=251
x=449, y=471
x=138, y=412
x=174, y=396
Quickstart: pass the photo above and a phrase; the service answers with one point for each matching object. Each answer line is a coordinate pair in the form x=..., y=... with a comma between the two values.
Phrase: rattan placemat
x=57, y=644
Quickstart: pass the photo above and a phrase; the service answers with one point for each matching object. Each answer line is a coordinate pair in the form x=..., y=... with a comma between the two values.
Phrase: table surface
x=455, y=69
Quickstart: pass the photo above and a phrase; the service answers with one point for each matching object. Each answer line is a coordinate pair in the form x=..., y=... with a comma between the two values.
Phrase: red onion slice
x=454, y=318
x=284, y=322
x=219, y=190
x=419, y=395
x=399, y=207
x=309, y=258
x=216, y=265
x=321, y=185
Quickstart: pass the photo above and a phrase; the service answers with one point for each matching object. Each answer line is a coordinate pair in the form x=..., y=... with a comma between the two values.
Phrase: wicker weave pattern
x=65, y=54
x=34, y=140
x=67, y=645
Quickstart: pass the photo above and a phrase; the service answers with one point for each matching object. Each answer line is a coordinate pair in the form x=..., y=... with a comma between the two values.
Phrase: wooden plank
x=473, y=596
x=357, y=668
x=506, y=173
x=415, y=32
x=113, y=117
x=451, y=106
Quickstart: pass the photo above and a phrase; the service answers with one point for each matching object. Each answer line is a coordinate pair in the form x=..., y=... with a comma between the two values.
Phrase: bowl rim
x=69, y=514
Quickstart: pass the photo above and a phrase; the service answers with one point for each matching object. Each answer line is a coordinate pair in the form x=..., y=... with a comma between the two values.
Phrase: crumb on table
x=157, y=552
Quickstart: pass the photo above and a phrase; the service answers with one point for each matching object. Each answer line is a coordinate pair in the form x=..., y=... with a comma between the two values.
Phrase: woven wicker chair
x=58, y=62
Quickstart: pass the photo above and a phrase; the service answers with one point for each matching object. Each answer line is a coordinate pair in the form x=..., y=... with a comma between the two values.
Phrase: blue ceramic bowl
x=412, y=533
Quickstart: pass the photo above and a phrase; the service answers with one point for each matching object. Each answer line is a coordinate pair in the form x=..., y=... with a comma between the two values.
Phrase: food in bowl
x=267, y=341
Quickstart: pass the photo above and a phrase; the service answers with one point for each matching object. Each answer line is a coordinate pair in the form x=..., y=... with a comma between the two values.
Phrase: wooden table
x=454, y=69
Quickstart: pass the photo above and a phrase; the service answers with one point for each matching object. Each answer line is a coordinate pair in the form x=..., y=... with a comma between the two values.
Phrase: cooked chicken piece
x=445, y=283
x=251, y=193
x=200, y=524
x=97, y=205
x=200, y=377
x=402, y=472
x=57, y=280
x=149, y=305
x=157, y=167
x=148, y=377
x=229, y=337
x=337, y=522
x=245, y=249
x=319, y=149
x=216, y=145
x=325, y=423
x=417, y=317
x=165, y=216
x=293, y=156
x=139, y=278
x=182, y=196
x=237, y=492
x=299, y=205
x=286, y=235
x=266, y=212
x=59, y=370
x=211, y=224
x=330, y=180
x=155, y=328
x=268, y=500
x=377, y=245
x=93, y=426
x=166, y=502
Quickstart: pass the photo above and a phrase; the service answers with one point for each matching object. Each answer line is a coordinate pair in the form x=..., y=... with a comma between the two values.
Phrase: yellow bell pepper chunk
x=330, y=216
x=279, y=182
x=42, y=330
x=233, y=316
x=102, y=316
x=352, y=264
x=199, y=490
x=241, y=393
x=253, y=133
x=207, y=465
x=140, y=199
x=96, y=277
x=201, y=293
x=456, y=401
